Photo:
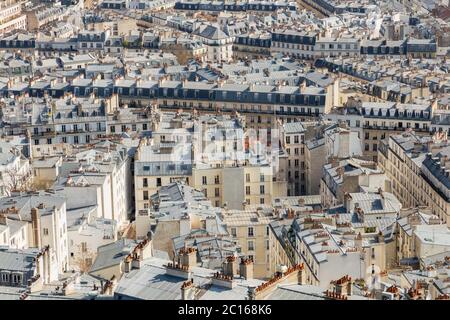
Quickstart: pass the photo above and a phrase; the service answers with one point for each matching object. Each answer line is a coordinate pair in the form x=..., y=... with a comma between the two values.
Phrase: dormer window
x=4, y=277
x=16, y=278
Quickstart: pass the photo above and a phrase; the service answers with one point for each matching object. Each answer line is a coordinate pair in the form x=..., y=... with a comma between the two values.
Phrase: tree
x=83, y=258
x=14, y=180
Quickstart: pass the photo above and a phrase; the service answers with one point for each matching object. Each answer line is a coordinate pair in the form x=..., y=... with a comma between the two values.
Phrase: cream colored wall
x=152, y=188
x=124, y=26
x=108, y=273
x=277, y=254
x=44, y=177
x=261, y=262
x=165, y=231
x=197, y=183
x=408, y=184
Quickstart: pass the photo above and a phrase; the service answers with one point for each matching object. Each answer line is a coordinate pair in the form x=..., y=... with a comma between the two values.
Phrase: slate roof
x=112, y=254
x=151, y=282
x=19, y=261
x=211, y=32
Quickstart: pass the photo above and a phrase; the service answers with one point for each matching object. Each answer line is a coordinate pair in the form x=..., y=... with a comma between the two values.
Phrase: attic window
x=146, y=168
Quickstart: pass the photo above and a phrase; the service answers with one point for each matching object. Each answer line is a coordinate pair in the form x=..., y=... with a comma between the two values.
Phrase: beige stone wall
x=261, y=257
x=165, y=231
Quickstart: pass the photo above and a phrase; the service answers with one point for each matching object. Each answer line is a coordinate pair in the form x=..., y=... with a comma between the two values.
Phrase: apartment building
x=328, y=143
x=250, y=228
x=13, y=233
x=293, y=141
x=177, y=211
x=298, y=44
x=15, y=169
x=379, y=120
x=350, y=175
x=336, y=47
x=11, y=17
x=212, y=154
x=26, y=269
x=160, y=162
x=86, y=233
x=213, y=249
x=66, y=120
x=219, y=45
x=236, y=187
x=306, y=98
x=46, y=218
x=417, y=167
x=406, y=236
x=42, y=15
x=254, y=45
x=102, y=174
x=330, y=248
x=280, y=254
x=92, y=41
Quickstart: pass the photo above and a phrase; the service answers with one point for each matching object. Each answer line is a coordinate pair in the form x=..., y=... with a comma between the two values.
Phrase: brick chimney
x=343, y=286
x=188, y=257
x=292, y=275
x=127, y=264
x=188, y=290
x=142, y=251
x=36, y=227
x=230, y=266
x=358, y=241
x=246, y=269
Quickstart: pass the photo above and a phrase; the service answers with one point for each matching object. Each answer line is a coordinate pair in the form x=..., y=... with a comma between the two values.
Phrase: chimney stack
x=358, y=241
x=128, y=264
x=188, y=257
x=36, y=226
x=343, y=286
x=230, y=266
x=188, y=290
x=251, y=293
x=246, y=269
x=380, y=237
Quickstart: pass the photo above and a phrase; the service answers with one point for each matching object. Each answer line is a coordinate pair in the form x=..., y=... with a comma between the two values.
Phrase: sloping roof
x=111, y=254
x=19, y=260
x=296, y=292
x=293, y=127
x=151, y=282
x=211, y=32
